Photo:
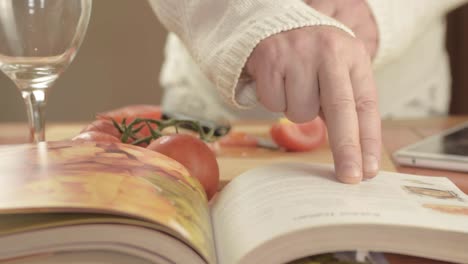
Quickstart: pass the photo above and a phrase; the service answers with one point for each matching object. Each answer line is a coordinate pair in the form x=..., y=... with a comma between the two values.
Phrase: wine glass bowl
x=38, y=40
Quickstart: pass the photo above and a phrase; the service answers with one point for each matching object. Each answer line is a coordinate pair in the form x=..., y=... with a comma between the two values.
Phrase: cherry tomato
x=95, y=136
x=238, y=139
x=299, y=137
x=194, y=154
x=129, y=113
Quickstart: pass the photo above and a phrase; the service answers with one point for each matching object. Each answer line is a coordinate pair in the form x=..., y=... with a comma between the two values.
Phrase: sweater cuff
x=230, y=61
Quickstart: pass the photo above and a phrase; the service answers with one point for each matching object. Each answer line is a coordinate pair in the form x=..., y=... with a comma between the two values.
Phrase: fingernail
x=349, y=172
x=371, y=165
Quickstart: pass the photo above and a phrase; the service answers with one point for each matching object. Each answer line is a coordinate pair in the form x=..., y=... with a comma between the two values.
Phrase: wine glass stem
x=35, y=101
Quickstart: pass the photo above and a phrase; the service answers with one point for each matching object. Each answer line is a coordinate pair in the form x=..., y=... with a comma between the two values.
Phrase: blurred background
x=119, y=62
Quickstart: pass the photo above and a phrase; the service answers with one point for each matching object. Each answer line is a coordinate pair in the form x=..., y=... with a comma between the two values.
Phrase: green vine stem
x=130, y=131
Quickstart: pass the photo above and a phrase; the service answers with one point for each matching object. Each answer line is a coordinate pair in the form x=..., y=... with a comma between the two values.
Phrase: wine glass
x=38, y=40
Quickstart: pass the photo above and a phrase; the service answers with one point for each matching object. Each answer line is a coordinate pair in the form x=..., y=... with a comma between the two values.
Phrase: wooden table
x=396, y=134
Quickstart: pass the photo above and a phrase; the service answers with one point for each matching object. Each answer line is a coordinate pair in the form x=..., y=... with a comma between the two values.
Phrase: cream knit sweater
x=213, y=39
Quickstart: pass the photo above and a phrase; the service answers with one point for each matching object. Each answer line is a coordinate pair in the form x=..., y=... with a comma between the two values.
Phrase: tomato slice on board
x=299, y=137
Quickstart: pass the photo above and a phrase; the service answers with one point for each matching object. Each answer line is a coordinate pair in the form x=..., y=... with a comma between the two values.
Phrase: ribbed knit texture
x=401, y=21
x=221, y=34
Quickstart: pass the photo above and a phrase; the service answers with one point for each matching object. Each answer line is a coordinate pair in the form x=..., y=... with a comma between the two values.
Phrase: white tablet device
x=447, y=150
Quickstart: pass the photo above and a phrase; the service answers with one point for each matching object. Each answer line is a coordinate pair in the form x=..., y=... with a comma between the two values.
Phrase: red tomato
x=194, y=154
x=104, y=126
x=96, y=136
x=131, y=112
x=107, y=127
x=238, y=139
x=299, y=137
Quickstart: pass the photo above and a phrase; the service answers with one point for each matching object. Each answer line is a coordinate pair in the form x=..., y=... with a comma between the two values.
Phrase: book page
x=109, y=179
x=272, y=201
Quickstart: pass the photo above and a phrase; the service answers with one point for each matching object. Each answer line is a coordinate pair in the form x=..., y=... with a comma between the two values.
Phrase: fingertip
x=371, y=166
x=349, y=173
x=349, y=180
x=369, y=175
x=299, y=117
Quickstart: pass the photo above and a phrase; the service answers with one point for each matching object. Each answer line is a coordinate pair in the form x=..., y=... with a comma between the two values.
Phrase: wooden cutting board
x=234, y=161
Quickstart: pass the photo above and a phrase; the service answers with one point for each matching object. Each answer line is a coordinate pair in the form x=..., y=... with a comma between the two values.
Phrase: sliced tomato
x=131, y=112
x=299, y=137
x=238, y=139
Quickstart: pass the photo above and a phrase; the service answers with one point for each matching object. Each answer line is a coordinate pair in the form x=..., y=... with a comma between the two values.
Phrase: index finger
x=339, y=109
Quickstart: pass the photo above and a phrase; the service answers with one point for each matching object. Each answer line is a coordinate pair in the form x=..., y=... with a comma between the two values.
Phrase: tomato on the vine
x=299, y=137
x=95, y=136
x=194, y=154
x=118, y=126
x=132, y=111
x=129, y=113
x=104, y=126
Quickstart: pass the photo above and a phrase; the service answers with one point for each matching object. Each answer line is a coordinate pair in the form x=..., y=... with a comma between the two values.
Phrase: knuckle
x=270, y=51
x=371, y=141
x=362, y=72
x=360, y=51
x=347, y=146
x=301, y=44
x=339, y=45
x=340, y=105
x=359, y=46
x=333, y=42
x=366, y=104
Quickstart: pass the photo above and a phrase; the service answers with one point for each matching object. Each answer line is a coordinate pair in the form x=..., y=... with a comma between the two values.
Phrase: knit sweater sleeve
x=400, y=21
x=221, y=34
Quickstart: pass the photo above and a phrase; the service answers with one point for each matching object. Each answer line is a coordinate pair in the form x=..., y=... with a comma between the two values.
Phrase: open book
x=116, y=203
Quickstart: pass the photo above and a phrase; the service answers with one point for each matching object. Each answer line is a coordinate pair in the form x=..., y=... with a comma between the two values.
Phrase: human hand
x=322, y=69
x=354, y=14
